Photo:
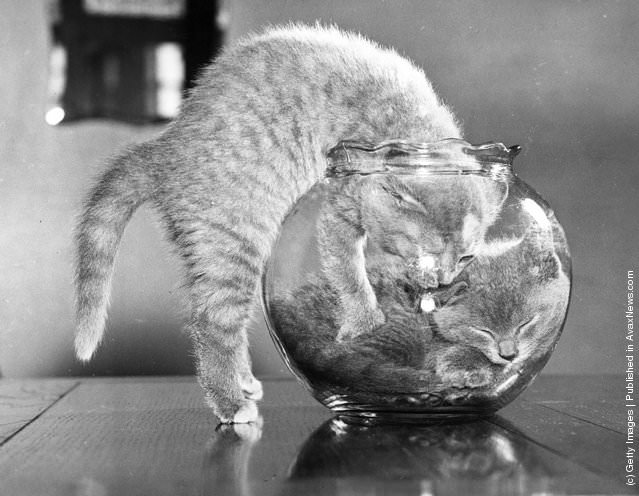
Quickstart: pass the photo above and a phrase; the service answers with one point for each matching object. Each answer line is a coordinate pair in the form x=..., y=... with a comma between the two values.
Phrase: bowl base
x=397, y=410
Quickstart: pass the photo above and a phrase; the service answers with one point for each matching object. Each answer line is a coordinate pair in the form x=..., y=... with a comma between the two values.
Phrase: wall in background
x=558, y=78
x=44, y=174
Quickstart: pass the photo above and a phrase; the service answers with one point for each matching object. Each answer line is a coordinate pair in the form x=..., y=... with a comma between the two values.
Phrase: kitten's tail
x=121, y=189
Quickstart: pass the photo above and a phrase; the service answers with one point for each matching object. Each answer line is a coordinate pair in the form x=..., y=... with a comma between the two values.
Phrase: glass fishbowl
x=418, y=282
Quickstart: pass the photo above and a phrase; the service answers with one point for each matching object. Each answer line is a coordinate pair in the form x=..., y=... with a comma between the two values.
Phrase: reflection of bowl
x=418, y=281
x=463, y=458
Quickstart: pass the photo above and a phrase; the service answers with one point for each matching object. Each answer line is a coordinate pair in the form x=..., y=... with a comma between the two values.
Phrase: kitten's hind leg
x=223, y=367
x=223, y=280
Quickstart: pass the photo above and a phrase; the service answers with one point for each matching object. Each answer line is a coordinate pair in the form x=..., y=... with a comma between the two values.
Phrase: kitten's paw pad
x=247, y=413
x=252, y=388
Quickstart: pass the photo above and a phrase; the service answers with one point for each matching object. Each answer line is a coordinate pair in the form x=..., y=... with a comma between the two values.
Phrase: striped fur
x=250, y=140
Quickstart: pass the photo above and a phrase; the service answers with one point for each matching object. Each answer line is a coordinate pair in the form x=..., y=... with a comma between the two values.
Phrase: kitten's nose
x=507, y=349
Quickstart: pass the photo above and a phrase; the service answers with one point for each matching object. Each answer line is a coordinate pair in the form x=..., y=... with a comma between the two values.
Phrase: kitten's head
x=429, y=228
x=512, y=306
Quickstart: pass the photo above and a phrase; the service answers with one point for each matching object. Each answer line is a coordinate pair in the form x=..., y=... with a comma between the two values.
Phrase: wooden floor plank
x=583, y=387
x=157, y=436
x=23, y=400
x=596, y=448
x=599, y=413
x=595, y=399
x=142, y=438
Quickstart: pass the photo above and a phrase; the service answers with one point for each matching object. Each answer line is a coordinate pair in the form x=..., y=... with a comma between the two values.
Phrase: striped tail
x=107, y=210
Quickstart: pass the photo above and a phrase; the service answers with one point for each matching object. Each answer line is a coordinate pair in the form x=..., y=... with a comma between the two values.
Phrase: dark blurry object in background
x=128, y=60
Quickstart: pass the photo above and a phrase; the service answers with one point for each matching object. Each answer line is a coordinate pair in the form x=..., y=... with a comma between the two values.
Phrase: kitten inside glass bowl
x=418, y=281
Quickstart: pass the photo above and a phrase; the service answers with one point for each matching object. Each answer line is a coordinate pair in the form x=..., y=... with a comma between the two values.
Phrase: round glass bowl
x=418, y=282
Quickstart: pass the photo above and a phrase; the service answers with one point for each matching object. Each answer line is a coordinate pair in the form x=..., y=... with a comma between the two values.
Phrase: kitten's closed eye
x=485, y=331
x=466, y=259
x=451, y=294
x=527, y=325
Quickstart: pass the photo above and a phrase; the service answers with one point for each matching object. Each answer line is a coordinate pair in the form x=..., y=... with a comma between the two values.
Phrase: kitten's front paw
x=461, y=378
x=360, y=324
x=233, y=412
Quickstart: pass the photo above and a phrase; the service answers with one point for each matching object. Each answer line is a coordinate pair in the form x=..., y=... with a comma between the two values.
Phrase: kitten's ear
x=499, y=247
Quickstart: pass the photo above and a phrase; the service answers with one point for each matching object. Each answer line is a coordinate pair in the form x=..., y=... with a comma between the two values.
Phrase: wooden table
x=154, y=436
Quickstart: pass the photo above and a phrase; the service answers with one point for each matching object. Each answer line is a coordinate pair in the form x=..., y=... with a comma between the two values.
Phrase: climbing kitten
x=251, y=138
x=424, y=229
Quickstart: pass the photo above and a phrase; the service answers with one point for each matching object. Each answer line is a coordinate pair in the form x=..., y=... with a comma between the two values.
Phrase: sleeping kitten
x=500, y=313
x=250, y=140
x=513, y=304
x=383, y=360
x=426, y=230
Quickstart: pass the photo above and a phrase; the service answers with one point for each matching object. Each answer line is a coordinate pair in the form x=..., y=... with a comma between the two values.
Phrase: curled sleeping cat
x=512, y=311
x=501, y=313
x=251, y=138
x=426, y=230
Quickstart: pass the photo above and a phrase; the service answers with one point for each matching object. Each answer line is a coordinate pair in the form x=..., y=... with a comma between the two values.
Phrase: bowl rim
x=450, y=156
